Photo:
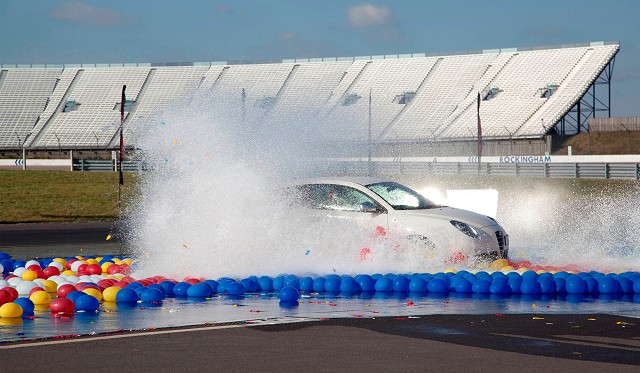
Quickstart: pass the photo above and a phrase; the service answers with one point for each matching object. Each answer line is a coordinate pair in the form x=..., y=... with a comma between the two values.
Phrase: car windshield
x=400, y=197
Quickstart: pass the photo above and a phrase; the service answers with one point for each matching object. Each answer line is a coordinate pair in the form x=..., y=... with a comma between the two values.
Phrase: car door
x=344, y=204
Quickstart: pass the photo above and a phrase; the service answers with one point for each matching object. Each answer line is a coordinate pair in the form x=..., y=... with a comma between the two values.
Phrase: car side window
x=333, y=197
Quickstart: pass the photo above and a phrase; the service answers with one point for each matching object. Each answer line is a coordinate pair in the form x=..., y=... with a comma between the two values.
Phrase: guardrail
x=627, y=171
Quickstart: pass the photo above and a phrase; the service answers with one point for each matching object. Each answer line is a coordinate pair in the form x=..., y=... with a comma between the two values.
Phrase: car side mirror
x=369, y=207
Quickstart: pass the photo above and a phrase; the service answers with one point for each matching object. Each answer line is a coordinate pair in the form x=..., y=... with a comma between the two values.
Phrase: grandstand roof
x=414, y=98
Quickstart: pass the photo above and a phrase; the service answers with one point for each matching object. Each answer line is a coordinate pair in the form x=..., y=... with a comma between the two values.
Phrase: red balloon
x=125, y=269
x=5, y=297
x=127, y=279
x=105, y=284
x=34, y=267
x=37, y=288
x=82, y=267
x=113, y=269
x=65, y=289
x=70, y=262
x=522, y=263
x=192, y=281
x=121, y=284
x=62, y=305
x=51, y=271
x=12, y=291
x=9, y=277
x=94, y=269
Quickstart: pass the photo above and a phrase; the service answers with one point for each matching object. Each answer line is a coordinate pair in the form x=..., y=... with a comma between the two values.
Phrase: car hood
x=451, y=213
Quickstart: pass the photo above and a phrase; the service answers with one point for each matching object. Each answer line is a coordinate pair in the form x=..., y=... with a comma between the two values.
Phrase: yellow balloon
x=507, y=269
x=61, y=261
x=10, y=310
x=497, y=265
x=449, y=270
x=93, y=292
x=10, y=321
x=127, y=260
x=40, y=297
x=109, y=294
x=29, y=275
x=49, y=286
x=68, y=272
x=105, y=265
x=92, y=261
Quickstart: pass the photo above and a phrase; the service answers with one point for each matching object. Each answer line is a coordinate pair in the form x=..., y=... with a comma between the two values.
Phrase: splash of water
x=212, y=205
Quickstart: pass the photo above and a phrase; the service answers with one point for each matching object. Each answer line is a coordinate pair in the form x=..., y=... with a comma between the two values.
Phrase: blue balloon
x=442, y=277
x=126, y=296
x=401, y=283
x=151, y=295
x=592, y=285
x=332, y=284
x=250, y=286
x=4, y=256
x=265, y=283
x=384, y=284
x=437, y=285
x=156, y=286
x=500, y=286
x=529, y=275
x=349, y=285
x=563, y=275
x=636, y=286
x=19, y=263
x=418, y=285
x=74, y=295
x=626, y=285
x=561, y=284
x=140, y=290
x=199, y=290
x=513, y=275
x=235, y=288
x=134, y=285
x=27, y=306
x=7, y=266
x=213, y=284
x=575, y=285
x=318, y=284
x=291, y=280
x=278, y=282
x=289, y=294
x=376, y=276
x=608, y=285
x=180, y=289
x=530, y=286
x=366, y=282
x=463, y=286
x=306, y=284
x=547, y=285
x=482, y=275
x=167, y=287
x=514, y=283
x=481, y=287
x=87, y=303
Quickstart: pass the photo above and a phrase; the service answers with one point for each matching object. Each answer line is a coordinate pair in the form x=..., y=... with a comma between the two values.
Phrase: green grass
x=61, y=196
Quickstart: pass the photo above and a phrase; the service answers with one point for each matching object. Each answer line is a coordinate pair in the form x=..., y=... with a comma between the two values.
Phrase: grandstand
x=407, y=103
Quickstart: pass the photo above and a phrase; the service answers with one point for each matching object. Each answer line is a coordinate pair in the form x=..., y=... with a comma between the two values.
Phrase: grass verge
x=61, y=196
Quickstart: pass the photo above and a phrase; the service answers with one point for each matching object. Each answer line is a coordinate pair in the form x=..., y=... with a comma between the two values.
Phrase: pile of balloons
x=81, y=284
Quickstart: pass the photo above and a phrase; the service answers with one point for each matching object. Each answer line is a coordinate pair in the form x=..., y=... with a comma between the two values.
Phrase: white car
x=395, y=211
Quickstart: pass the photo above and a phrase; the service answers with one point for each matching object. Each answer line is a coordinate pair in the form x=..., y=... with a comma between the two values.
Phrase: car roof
x=361, y=180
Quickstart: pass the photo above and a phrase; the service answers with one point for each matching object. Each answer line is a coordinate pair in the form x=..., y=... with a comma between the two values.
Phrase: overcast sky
x=90, y=31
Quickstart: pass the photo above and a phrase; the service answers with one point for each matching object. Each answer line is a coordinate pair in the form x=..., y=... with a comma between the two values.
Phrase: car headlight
x=465, y=228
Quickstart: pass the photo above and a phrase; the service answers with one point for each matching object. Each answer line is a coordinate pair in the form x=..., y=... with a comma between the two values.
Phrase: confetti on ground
x=538, y=318
x=108, y=237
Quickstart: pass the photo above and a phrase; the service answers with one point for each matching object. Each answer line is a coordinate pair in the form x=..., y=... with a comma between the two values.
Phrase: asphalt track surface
x=439, y=343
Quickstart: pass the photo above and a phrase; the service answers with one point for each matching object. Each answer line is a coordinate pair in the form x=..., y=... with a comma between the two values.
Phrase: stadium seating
x=413, y=98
